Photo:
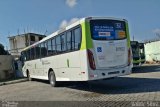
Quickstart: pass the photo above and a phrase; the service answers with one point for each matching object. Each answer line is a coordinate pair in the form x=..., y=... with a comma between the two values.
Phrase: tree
x=2, y=50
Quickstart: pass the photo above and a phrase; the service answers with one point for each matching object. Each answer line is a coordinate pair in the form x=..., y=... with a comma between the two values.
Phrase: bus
x=138, y=53
x=142, y=53
x=91, y=48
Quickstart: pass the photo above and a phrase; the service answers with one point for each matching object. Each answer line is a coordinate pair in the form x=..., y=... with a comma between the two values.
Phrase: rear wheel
x=52, y=79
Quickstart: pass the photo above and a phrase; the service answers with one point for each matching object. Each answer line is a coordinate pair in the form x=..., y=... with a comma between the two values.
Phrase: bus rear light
x=129, y=56
x=91, y=60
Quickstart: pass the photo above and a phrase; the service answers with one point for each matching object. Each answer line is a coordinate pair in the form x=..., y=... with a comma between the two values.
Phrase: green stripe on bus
x=142, y=60
x=86, y=36
x=128, y=36
x=136, y=61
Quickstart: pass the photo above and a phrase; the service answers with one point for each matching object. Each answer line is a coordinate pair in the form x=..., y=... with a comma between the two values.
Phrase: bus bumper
x=109, y=73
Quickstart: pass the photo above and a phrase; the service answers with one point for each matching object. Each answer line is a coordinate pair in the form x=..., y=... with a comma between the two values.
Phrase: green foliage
x=2, y=50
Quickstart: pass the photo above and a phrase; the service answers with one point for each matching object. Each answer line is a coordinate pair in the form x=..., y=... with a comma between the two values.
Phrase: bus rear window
x=107, y=29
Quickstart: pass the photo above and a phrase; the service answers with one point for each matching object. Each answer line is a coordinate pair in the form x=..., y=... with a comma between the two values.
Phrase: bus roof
x=70, y=26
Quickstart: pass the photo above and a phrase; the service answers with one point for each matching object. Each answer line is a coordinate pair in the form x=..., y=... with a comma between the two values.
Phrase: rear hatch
x=110, y=43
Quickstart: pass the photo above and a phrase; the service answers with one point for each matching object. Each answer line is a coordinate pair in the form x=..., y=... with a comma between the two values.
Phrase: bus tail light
x=129, y=56
x=91, y=60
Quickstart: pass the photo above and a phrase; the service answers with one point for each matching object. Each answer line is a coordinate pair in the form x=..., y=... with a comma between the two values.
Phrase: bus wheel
x=28, y=76
x=52, y=79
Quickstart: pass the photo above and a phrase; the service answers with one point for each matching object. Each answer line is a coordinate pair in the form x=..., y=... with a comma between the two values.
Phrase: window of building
x=32, y=38
x=40, y=38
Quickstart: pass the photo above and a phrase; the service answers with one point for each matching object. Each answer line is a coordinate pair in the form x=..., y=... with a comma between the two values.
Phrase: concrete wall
x=6, y=66
x=152, y=51
x=19, y=42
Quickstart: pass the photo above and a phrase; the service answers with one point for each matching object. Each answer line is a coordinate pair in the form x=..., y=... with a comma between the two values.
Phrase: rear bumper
x=108, y=73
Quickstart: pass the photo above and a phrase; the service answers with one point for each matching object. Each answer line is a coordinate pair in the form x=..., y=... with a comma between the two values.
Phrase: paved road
x=142, y=85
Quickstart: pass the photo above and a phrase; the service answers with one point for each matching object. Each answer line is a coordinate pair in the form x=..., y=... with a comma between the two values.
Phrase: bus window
x=54, y=46
x=72, y=41
x=58, y=44
x=77, y=35
x=38, y=51
x=69, y=45
x=43, y=50
x=49, y=46
x=28, y=54
x=32, y=55
x=63, y=42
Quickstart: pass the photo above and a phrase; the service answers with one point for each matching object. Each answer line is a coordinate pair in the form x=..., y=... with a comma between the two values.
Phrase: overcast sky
x=41, y=15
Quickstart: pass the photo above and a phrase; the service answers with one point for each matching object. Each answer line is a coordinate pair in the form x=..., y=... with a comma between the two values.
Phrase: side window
x=73, y=41
x=77, y=35
x=40, y=38
x=69, y=39
x=54, y=45
x=49, y=47
x=32, y=38
x=32, y=53
x=63, y=42
x=38, y=51
x=23, y=56
x=43, y=49
x=58, y=44
x=28, y=54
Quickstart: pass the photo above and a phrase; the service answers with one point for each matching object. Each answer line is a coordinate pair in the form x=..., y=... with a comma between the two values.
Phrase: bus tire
x=52, y=79
x=28, y=76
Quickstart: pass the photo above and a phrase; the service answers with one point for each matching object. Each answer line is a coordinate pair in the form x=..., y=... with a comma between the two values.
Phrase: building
x=19, y=42
x=152, y=51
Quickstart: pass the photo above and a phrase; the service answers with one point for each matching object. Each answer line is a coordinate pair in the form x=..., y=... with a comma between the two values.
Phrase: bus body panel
x=109, y=73
x=111, y=53
x=67, y=67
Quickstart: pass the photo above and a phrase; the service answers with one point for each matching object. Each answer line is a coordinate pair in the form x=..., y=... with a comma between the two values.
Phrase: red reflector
x=129, y=56
x=91, y=60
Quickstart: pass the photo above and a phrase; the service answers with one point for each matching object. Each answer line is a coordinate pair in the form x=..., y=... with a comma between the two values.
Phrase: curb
x=14, y=81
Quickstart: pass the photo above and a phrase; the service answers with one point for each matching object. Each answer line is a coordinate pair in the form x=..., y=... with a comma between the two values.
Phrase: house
x=19, y=42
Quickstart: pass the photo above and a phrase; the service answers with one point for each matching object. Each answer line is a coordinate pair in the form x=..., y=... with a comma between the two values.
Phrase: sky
x=47, y=16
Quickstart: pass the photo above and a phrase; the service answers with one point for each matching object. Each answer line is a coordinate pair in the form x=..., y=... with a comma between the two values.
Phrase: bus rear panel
x=110, y=55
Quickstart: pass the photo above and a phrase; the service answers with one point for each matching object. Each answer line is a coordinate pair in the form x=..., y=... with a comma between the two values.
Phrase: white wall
x=152, y=51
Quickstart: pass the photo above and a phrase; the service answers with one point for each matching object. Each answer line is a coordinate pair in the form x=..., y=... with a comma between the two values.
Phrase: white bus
x=92, y=48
